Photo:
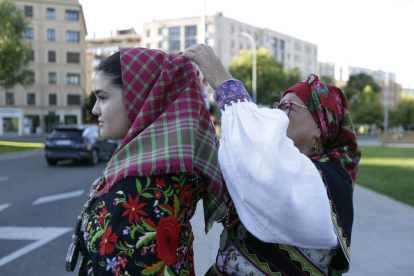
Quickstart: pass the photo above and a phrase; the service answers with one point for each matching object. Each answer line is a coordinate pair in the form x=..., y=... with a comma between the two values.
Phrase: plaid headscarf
x=169, y=126
x=329, y=108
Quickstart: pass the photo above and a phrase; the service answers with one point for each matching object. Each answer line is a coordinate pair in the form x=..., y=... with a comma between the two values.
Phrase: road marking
x=4, y=206
x=41, y=235
x=21, y=155
x=4, y=178
x=57, y=197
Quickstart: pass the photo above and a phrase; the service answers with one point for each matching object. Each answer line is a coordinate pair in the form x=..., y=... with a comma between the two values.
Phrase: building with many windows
x=56, y=96
x=221, y=34
x=97, y=49
x=340, y=74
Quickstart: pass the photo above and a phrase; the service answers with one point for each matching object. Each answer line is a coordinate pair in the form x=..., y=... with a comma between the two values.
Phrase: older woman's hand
x=209, y=64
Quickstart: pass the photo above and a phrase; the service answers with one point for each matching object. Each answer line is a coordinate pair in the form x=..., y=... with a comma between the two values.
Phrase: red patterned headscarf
x=329, y=108
x=169, y=126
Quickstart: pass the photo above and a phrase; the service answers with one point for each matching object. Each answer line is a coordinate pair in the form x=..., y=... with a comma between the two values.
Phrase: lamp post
x=254, y=69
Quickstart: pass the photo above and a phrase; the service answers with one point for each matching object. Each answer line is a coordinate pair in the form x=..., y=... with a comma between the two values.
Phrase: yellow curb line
x=22, y=144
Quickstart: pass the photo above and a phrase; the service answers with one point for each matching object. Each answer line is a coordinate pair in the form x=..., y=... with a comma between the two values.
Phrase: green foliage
x=403, y=115
x=364, y=104
x=14, y=49
x=359, y=81
x=272, y=78
x=389, y=171
x=327, y=80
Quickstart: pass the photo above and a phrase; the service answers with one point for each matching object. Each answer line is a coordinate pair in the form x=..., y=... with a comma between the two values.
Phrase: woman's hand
x=209, y=64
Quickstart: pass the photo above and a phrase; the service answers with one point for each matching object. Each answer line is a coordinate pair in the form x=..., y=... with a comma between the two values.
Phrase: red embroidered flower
x=102, y=215
x=160, y=182
x=157, y=194
x=134, y=207
x=107, y=239
x=168, y=239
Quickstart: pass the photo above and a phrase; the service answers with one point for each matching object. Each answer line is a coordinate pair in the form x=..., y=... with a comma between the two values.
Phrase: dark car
x=78, y=143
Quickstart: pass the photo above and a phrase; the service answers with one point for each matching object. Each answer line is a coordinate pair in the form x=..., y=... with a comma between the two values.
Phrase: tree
x=359, y=81
x=403, y=115
x=89, y=104
x=272, y=78
x=14, y=49
x=370, y=110
x=327, y=80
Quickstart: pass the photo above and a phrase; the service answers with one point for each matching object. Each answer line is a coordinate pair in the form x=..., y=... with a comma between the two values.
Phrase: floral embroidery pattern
x=141, y=227
x=231, y=91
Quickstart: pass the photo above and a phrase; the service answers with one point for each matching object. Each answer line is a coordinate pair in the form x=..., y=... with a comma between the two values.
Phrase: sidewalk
x=382, y=237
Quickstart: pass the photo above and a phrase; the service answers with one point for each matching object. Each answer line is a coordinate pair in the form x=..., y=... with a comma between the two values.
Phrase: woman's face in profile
x=110, y=107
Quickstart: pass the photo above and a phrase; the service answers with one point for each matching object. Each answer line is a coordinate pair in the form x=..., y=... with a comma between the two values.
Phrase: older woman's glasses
x=286, y=106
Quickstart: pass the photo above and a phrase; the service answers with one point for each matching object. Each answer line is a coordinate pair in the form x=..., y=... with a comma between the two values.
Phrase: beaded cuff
x=231, y=91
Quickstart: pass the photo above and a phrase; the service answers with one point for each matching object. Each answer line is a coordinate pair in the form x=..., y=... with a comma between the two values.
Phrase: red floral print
x=160, y=182
x=107, y=239
x=168, y=239
x=102, y=214
x=134, y=209
x=157, y=194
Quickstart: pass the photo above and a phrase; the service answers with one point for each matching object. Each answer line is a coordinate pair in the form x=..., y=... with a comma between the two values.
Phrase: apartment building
x=56, y=96
x=222, y=34
x=340, y=72
x=97, y=49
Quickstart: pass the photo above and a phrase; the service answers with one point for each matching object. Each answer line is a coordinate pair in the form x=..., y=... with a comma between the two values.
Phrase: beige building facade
x=340, y=73
x=221, y=33
x=56, y=96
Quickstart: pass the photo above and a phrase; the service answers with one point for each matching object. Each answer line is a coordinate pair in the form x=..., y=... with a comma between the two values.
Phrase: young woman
x=137, y=219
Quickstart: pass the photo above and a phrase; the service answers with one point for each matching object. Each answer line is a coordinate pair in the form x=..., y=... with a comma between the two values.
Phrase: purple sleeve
x=231, y=91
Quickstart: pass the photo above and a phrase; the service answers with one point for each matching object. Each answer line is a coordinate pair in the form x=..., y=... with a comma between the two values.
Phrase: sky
x=374, y=34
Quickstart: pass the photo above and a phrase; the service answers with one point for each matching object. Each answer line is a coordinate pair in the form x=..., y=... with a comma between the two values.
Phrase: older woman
x=137, y=218
x=290, y=172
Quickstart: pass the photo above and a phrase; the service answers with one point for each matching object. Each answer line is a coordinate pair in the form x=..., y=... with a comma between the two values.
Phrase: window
x=174, y=32
x=298, y=47
x=52, y=78
x=70, y=120
x=51, y=34
x=31, y=98
x=52, y=99
x=297, y=58
x=72, y=36
x=282, y=44
x=148, y=33
x=92, y=75
x=160, y=31
x=51, y=56
x=28, y=11
x=50, y=13
x=31, y=77
x=232, y=43
x=273, y=42
x=73, y=100
x=189, y=42
x=281, y=57
x=308, y=50
x=190, y=30
x=94, y=62
x=241, y=45
x=73, y=79
x=174, y=45
x=72, y=15
x=32, y=55
x=148, y=45
x=9, y=98
x=30, y=33
x=160, y=45
x=232, y=30
x=72, y=57
x=288, y=56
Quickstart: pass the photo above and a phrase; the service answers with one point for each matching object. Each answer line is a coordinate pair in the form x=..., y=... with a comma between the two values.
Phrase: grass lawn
x=389, y=171
x=9, y=149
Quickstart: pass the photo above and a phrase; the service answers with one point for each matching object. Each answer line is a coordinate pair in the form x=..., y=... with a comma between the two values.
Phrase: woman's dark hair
x=111, y=67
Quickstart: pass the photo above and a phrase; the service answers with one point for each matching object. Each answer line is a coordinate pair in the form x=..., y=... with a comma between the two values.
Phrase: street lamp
x=254, y=73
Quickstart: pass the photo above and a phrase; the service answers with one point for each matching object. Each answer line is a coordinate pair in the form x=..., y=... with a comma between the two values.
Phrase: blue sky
x=375, y=34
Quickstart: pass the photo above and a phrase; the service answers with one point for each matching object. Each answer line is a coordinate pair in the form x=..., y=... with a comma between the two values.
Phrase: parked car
x=77, y=143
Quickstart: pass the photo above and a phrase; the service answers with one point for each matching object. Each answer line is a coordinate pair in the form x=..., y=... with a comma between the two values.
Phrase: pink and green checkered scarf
x=169, y=126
